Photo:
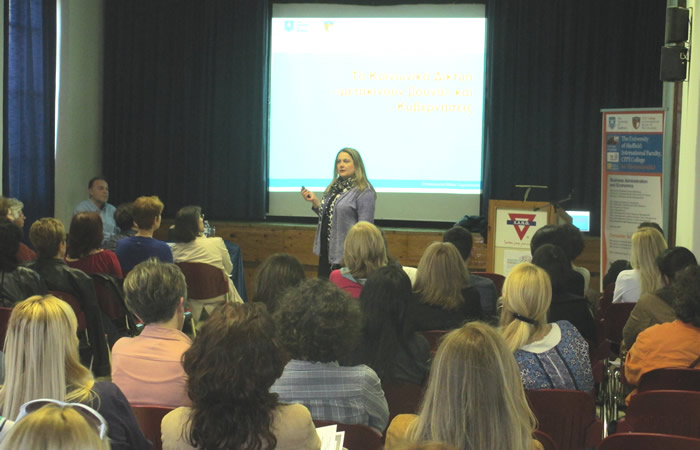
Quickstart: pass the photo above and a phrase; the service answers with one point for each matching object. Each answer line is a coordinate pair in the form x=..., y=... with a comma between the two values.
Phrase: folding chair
x=667, y=412
x=673, y=378
x=434, y=337
x=149, y=419
x=403, y=397
x=648, y=441
x=206, y=287
x=546, y=440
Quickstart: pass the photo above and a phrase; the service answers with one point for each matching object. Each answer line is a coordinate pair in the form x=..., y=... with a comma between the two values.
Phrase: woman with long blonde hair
x=41, y=360
x=645, y=277
x=445, y=298
x=474, y=399
x=550, y=355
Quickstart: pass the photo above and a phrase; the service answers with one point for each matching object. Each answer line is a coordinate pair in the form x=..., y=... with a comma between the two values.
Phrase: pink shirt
x=148, y=370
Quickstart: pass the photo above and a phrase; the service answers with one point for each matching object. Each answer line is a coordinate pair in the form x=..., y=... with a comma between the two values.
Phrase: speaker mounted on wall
x=674, y=63
x=677, y=21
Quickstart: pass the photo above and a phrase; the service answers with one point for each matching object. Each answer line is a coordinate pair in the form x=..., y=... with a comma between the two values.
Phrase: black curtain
x=28, y=116
x=551, y=68
x=185, y=103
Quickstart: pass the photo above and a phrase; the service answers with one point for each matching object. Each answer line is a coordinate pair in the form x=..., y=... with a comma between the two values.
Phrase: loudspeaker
x=674, y=63
x=677, y=25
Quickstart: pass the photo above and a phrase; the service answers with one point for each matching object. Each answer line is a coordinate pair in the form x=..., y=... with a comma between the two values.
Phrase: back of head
x=441, y=276
x=574, y=239
x=4, y=206
x=10, y=237
x=687, y=292
x=653, y=225
x=153, y=290
x=364, y=249
x=54, y=427
x=275, y=275
x=461, y=238
x=673, y=260
x=85, y=234
x=46, y=235
x=527, y=294
x=41, y=355
x=554, y=261
x=318, y=321
x=556, y=235
x=475, y=397
x=124, y=217
x=231, y=365
x=647, y=244
x=145, y=210
x=15, y=208
x=187, y=224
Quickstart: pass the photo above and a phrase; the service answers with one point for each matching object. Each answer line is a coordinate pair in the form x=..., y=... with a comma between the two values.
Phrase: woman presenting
x=347, y=200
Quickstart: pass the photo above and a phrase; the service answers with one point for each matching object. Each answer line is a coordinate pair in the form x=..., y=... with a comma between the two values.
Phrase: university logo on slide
x=522, y=223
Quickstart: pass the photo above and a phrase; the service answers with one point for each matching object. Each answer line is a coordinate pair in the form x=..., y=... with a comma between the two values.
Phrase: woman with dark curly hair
x=672, y=344
x=231, y=365
x=83, y=246
x=319, y=324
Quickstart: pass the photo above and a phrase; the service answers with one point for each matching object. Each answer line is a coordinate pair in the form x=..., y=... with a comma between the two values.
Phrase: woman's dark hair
x=554, y=261
x=386, y=296
x=275, y=275
x=231, y=365
x=614, y=270
x=10, y=237
x=687, y=290
x=574, y=239
x=187, y=224
x=84, y=235
x=318, y=321
x=461, y=238
x=124, y=217
x=673, y=260
x=552, y=234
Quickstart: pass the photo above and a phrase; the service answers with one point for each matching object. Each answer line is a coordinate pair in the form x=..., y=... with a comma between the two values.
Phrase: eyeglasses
x=93, y=417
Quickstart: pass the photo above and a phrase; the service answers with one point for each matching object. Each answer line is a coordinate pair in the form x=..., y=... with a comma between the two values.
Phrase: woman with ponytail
x=550, y=355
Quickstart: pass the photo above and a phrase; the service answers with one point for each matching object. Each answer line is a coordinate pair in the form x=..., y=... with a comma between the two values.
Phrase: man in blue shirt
x=98, y=190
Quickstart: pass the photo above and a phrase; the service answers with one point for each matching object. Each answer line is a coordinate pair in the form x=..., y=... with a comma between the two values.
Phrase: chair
x=110, y=297
x=433, y=337
x=673, y=378
x=605, y=300
x=357, y=437
x=75, y=304
x=567, y=416
x=648, y=441
x=204, y=282
x=149, y=419
x=546, y=440
x=403, y=397
x=614, y=321
x=668, y=412
x=4, y=319
x=497, y=279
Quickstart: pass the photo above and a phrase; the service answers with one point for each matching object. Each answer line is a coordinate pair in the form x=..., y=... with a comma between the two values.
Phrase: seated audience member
x=41, y=356
x=147, y=368
x=445, y=298
x=363, y=252
x=657, y=307
x=192, y=246
x=17, y=217
x=125, y=222
x=474, y=399
x=462, y=238
x=49, y=424
x=647, y=244
x=17, y=282
x=83, y=248
x=98, y=192
x=410, y=271
x=574, y=250
x=653, y=225
x=557, y=235
x=49, y=238
x=389, y=345
x=274, y=276
x=672, y=344
x=550, y=355
x=320, y=324
x=231, y=365
x=614, y=270
x=565, y=305
x=142, y=246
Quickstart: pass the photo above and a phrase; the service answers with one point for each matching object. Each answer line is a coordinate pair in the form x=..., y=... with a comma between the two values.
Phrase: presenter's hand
x=310, y=197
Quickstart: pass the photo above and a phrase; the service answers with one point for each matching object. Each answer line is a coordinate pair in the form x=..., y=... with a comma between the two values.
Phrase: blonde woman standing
x=474, y=399
x=644, y=278
x=550, y=355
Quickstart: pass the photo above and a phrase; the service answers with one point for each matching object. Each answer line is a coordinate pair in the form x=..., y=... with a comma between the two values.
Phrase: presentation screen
x=403, y=85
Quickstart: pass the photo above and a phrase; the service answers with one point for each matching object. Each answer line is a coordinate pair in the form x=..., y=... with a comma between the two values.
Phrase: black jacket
x=18, y=285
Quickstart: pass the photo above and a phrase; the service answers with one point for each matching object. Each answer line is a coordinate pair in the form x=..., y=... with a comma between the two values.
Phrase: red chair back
x=614, y=321
x=75, y=304
x=149, y=419
x=546, y=440
x=674, y=378
x=497, y=279
x=568, y=417
x=4, y=319
x=357, y=437
x=109, y=303
x=203, y=280
x=433, y=337
x=403, y=397
x=648, y=441
x=667, y=412
x=605, y=300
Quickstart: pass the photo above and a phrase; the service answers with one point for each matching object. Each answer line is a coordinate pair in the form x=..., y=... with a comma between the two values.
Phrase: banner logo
x=611, y=122
x=636, y=121
x=522, y=223
x=289, y=25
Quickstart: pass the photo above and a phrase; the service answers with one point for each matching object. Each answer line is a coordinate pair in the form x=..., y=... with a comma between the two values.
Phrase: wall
x=79, y=94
